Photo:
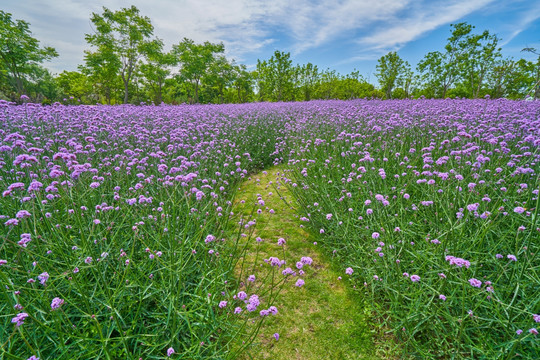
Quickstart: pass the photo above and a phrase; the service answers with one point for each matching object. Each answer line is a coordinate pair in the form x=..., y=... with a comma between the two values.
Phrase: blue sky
x=340, y=34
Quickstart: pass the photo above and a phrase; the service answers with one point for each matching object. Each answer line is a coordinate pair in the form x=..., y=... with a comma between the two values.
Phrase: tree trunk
x=126, y=92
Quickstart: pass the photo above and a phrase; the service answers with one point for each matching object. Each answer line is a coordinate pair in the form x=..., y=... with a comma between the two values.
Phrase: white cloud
x=247, y=27
x=526, y=19
x=418, y=21
x=313, y=25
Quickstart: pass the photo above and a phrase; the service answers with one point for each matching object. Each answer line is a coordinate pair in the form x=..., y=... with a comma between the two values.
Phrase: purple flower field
x=115, y=222
x=432, y=208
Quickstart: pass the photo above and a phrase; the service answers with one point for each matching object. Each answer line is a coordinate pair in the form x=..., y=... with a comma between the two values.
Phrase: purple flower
x=19, y=319
x=273, y=310
x=170, y=351
x=242, y=295
x=349, y=271
x=442, y=297
x=511, y=257
x=519, y=210
x=499, y=256
x=536, y=317
x=56, y=303
x=22, y=214
x=33, y=357
x=299, y=282
x=276, y=336
x=43, y=277
x=274, y=261
x=375, y=235
x=237, y=310
x=254, y=299
x=281, y=241
x=475, y=282
x=519, y=331
x=459, y=262
x=415, y=278
x=25, y=239
x=289, y=271
x=222, y=304
x=13, y=222
x=533, y=331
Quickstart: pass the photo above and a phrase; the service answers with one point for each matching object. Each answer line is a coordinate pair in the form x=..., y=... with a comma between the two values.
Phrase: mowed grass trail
x=323, y=319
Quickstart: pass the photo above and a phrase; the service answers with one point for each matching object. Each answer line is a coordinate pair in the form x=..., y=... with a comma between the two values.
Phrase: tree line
x=126, y=63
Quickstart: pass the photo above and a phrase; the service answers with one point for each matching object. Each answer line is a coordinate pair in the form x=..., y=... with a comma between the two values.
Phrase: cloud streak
x=421, y=20
x=526, y=19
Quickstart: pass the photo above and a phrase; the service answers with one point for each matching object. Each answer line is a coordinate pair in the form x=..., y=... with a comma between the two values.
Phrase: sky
x=343, y=35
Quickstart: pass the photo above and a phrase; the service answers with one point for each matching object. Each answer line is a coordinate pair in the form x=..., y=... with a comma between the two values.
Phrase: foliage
x=75, y=85
x=392, y=70
x=195, y=60
x=121, y=39
x=20, y=54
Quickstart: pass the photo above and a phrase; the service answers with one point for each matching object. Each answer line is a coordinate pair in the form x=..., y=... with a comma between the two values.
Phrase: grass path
x=322, y=319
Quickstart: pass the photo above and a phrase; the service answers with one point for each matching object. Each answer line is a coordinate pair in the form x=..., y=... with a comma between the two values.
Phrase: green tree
x=280, y=65
x=102, y=68
x=123, y=36
x=275, y=77
x=468, y=59
x=390, y=71
x=263, y=80
x=156, y=70
x=42, y=86
x=74, y=84
x=219, y=77
x=481, y=53
x=20, y=53
x=535, y=88
x=195, y=60
x=440, y=70
x=308, y=77
x=328, y=85
x=242, y=83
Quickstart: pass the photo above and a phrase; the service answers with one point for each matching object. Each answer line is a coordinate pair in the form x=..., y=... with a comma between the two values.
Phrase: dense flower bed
x=432, y=206
x=113, y=221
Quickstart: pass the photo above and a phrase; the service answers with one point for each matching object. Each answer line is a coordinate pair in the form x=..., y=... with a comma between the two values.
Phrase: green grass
x=323, y=319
